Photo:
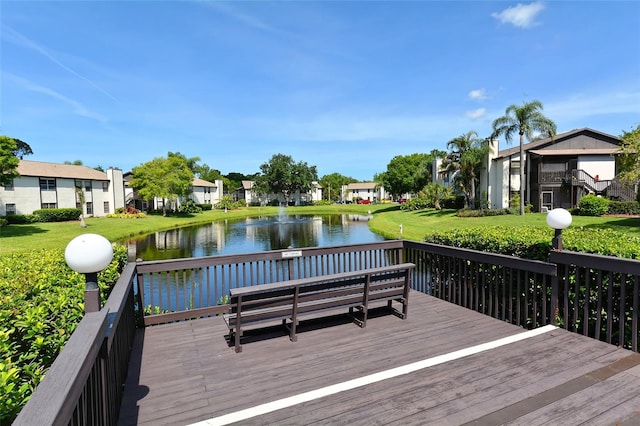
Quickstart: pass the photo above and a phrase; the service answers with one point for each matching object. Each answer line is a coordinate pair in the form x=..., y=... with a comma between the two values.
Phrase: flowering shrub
x=127, y=213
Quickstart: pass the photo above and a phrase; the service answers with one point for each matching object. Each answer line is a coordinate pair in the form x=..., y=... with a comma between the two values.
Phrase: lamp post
x=89, y=254
x=558, y=219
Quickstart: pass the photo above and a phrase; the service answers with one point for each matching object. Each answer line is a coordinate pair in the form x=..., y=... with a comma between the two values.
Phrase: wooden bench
x=288, y=300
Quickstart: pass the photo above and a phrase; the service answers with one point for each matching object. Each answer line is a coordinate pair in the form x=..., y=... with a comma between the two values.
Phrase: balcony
x=489, y=339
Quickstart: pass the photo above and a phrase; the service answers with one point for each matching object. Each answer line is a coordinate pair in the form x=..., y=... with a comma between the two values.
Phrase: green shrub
x=189, y=206
x=623, y=207
x=41, y=303
x=57, y=215
x=21, y=219
x=592, y=205
x=3, y=221
x=322, y=203
x=206, y=206
x=453, y=202
x=416, y=204
x=481, y=212
x=535, y=242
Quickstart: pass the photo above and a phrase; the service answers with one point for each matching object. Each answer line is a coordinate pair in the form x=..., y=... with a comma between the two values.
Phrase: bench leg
x=237, y=341
x=291, y=329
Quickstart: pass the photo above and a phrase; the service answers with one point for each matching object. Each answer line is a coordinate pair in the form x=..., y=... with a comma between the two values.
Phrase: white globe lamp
x=89, y=254
x=558, y=219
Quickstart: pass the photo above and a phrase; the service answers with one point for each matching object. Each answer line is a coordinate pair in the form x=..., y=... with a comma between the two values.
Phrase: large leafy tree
x=281, y=175
x=332, y=185
x=629, y=161
x=408, y=173
x=8, y=160
x=192, y=162
x=526, y=120
x=22, y=148
x=465, y=160
x=165, y=178
x=12, y=150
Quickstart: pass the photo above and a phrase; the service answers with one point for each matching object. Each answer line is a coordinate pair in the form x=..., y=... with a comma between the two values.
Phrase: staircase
x=613, y=189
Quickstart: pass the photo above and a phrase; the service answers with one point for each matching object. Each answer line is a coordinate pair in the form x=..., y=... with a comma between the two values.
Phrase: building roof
x=558, y=138
x=204, y=183
x=362, y=185
x=53, y=170
x=573, y=152
x=247, y=184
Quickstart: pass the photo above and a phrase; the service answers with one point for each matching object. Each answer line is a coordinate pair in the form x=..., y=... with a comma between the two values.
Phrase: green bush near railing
x=535, y=242
x=41, y=303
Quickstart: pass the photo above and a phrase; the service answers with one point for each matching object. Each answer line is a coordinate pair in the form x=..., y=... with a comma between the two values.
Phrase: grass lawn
x=417, y=224
x=386, y=221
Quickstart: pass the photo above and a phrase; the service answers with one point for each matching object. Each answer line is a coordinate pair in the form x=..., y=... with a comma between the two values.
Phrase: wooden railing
x=515, y=290
x=181, y=289
x=85, y=383
x=593, y=295
x=599, y=296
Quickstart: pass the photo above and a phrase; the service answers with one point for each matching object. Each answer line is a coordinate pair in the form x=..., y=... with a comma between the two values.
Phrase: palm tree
x=465, y=158
x=525, y=120
x=434, y=192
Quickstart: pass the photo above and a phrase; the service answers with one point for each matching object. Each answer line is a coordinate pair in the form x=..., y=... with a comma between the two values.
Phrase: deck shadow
x=318, y=322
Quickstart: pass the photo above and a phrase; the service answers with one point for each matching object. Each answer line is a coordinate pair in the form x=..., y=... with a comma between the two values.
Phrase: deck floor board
x=187, y=372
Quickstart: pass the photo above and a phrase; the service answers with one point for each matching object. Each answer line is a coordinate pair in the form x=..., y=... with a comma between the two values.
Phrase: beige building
x=44, y=185
x=366, y=191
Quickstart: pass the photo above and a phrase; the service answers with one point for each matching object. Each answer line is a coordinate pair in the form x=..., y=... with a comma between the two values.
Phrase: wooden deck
x=186, y=373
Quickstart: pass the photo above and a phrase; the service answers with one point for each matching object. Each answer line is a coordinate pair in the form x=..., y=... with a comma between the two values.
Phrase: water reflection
x=253, y=235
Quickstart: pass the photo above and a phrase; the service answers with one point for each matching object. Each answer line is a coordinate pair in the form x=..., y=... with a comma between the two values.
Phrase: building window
x=106, y=207
x=48, y=206
x=47, y=185
x=8, y=186
x=515, y=167
x=89, y=208
x=10, y=209
x=86, y=184
x=105, y=186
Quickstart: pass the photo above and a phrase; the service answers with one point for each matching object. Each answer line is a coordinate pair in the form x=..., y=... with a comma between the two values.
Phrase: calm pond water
x=253, y=235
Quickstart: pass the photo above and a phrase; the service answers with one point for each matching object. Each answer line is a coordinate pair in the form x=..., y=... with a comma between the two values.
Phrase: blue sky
x=342, y=85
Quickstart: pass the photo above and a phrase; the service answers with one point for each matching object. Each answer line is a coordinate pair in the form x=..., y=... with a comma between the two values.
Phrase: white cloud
x=478, y=94
x=521, y=15
x=76, y=106
x=476, y=113
x=18, y=39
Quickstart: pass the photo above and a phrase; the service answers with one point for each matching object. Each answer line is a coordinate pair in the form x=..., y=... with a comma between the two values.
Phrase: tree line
x=171, y=177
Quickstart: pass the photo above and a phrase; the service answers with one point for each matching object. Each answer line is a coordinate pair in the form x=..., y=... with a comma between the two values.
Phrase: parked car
x=361, y=201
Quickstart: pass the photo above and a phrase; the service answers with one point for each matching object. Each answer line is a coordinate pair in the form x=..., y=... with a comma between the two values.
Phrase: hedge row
x=535, y=242
x=41, y=303
x=45, y=215
x=592, y=205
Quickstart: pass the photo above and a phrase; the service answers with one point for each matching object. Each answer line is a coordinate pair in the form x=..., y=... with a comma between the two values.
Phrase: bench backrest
x=303, y=290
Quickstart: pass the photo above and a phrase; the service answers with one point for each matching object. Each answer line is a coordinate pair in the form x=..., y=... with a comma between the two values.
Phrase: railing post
x=555, y=311
x=140, y=301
